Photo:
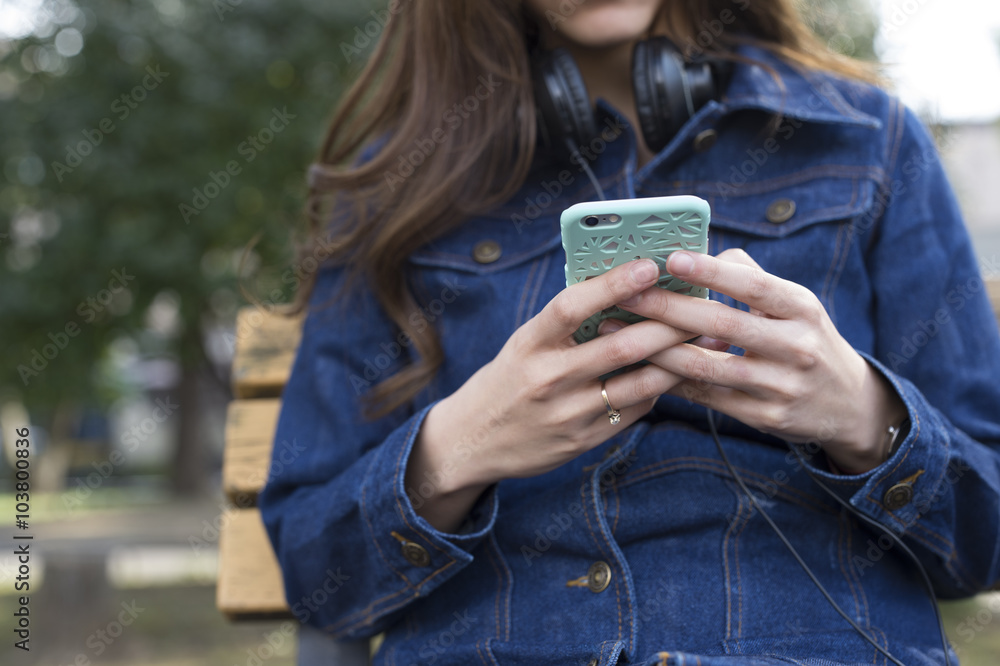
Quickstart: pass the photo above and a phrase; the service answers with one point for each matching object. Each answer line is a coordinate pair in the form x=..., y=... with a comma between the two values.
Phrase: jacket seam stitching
x=496, y=601
x=844, y=551
x=726, y=567
x=542, y=272
x=739, y=571
x=586, y=515
x=713, y=465
x=479, y=652
x=509, y=575
x=831, y=269
x=519, y=313
x=371, y=529
x=839, y=172
x=854, y=573
x=830, y=288
x=336, y=628
x=402, y=514
x=524, y=304
x=894, y=140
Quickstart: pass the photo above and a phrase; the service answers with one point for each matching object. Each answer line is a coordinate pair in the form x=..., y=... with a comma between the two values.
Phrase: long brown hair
x=432, y=55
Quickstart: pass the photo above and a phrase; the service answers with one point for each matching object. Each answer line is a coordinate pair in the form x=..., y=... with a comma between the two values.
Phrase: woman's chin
x=602, y=25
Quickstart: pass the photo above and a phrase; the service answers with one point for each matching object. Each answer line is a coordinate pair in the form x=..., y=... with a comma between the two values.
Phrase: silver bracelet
x=892, y=434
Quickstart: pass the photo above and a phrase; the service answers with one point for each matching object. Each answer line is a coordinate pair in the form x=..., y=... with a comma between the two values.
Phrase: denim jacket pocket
x=807, y=227
x=797, y=645
x=780, y=207
x=478, y=284
x=489, y=245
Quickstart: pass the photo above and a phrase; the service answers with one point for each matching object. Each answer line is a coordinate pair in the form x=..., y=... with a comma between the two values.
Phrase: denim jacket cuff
x=898, y=492
x=423, y=556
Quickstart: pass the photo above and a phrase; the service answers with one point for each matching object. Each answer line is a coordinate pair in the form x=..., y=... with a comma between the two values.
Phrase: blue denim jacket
x=693, y=575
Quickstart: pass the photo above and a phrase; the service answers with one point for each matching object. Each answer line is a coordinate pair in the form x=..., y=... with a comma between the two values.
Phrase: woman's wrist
x=436, y=480
x=881, y=428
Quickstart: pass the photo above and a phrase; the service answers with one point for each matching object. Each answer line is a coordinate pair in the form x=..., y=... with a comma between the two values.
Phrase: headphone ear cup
x=661, y=100
x=565, y=116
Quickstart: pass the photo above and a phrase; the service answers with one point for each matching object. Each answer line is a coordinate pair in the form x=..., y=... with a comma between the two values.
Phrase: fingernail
x=680, y=263
x=643, y=271
x=631, y=300
x=609, y=326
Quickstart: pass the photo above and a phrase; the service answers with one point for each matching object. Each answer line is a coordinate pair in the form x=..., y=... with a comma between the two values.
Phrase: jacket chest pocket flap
x=780, y=207
x=487, y=245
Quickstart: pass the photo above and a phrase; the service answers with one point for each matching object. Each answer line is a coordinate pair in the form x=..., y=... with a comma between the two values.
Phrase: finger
x=637, y=386
x=739, y=256
x=610, y=325
x=626, y=416
x=560, y=318
x=623, y=347
x=748, y=284
x=741, y=406
x=698, y=393
x=728, y=401
x=713, y=319
x=715, y=368
x=633, y=394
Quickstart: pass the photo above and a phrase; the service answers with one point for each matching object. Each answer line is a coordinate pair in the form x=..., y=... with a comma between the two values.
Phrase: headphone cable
x=896, y=541
x=790, y=547
x=586, y=167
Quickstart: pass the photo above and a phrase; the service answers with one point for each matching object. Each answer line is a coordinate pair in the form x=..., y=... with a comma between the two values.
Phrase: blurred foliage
x=125, y=111
x=847, y=26
x=110, y=139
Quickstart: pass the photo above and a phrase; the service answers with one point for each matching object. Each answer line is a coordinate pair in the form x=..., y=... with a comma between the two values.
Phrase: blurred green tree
x=144, y=144
x=847, y=26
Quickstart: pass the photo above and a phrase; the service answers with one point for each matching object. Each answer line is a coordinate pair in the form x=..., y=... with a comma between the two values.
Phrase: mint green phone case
x=651, y=228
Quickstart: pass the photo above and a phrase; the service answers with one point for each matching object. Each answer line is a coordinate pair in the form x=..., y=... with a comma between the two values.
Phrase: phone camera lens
x=591, y=220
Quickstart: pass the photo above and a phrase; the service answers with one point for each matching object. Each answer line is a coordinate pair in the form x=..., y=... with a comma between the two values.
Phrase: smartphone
x=599, y=235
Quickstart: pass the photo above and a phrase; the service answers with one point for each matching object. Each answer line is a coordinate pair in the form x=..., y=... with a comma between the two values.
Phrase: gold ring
x=614, y=416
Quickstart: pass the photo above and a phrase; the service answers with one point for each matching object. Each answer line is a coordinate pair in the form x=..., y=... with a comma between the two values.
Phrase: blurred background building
x=144, y=145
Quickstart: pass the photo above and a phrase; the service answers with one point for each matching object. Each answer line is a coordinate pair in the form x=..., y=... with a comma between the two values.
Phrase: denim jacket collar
x=760, y=82
x=810, y=97
x=791, y=92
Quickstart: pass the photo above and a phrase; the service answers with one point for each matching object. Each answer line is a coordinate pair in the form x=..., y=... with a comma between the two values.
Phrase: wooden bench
x=250, y=585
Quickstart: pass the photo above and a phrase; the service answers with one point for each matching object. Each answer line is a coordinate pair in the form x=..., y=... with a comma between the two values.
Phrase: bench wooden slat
x=250, y=426
x=250, y=585
x=265, y=349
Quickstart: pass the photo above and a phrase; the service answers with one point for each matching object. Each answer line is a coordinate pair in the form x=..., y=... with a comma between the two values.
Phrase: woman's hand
x=538, y=404
x=798, y=378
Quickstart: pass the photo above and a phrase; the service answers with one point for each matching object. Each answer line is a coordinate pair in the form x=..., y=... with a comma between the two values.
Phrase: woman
x=462, y=482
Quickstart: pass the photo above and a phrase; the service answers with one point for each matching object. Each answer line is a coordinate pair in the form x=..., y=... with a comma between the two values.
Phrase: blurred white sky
x=944, y=56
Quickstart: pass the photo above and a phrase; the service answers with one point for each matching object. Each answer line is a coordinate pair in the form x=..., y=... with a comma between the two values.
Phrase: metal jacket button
x=898, y=496
x=780, y=210
x=487, y=251
x=598, y=576
x=705, y=140
x=416, y=554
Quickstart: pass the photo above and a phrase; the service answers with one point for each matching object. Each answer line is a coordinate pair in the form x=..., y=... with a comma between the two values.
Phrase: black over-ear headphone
x=668, y=91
